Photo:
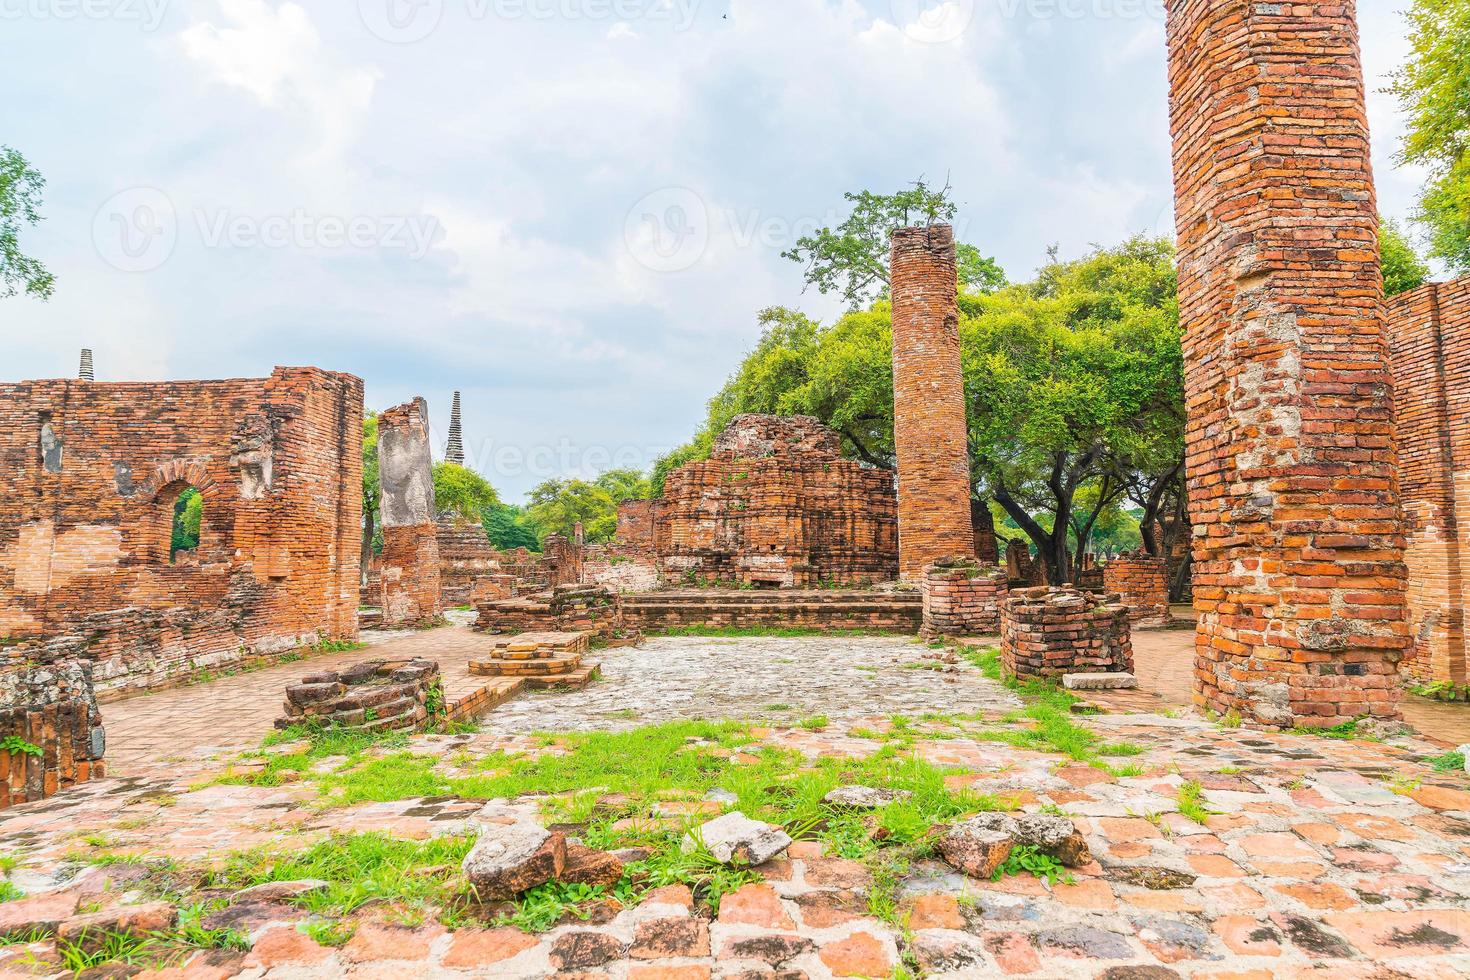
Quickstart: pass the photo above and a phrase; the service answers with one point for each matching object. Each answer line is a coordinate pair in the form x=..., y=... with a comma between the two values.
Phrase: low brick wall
x=962, y=598
x=375, y=695
x=566, y=609
x=492, y=588
x=411, y=575
x=899, y=612
x=1047, y=632
x=53, y=708
x=1143, y=583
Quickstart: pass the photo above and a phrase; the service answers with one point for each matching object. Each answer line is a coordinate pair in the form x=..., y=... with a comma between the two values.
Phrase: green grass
x=1346, y=731
x=1449, y=762
x=815, y=723
x=1192, y=802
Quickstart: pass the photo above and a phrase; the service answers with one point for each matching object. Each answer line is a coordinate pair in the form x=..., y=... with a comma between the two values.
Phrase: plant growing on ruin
x=1025, y=859
x=16, y=745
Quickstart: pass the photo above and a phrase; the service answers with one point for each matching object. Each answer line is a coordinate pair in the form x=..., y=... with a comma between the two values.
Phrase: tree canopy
x=1403, y=269
x=463, y=493
x=20, y=205
x=557, y=506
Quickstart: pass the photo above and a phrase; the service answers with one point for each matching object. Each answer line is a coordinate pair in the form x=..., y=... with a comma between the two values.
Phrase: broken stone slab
x=864, y=797
x=1050, y=834
x=975, y=849
x=36, y=914
x=721, y=796
x=280, y=891
x=95, y=930
x=1115, y=681
x=510, y=859
x=586, y=866
x=1464, y=750
x=735, y=837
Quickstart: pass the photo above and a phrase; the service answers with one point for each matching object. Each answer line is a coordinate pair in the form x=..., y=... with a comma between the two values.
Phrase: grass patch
x=1449, y=762
x=1346, y=731
x=1192, y=802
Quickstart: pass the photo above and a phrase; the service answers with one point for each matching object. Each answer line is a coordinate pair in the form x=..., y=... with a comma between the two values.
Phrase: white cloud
x=622, y=29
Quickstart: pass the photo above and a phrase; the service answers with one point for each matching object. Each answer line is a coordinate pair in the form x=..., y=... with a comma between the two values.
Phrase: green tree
x=20, y=205
x=557, y=506
x=510, y=527
x=624, y=485
x=1434, y=92
x=463, y=493
x=188, y=517
x=1403, y=269
x=371, y=489
x=852, y=259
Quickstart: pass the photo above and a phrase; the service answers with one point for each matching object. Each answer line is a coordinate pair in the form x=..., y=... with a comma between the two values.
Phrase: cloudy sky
x=572, y=210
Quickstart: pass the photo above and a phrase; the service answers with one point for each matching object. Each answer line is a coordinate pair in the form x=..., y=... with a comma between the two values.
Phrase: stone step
x=578, y=678
x=498, y=667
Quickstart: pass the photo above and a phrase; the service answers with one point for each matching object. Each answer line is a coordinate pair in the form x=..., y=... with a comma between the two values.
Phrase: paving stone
x=283, y=946
x=36, y=913
x=374, y=942
x=659, y=939
x=1084, y=942
x=682, y=972
x=474, y=947
x=775, y=949
x=1172, y=940
x=942, y=951
x=1013, y=952
x=508, y=860
x=583, y=948
x=864, y=797
x=935, y=912
x=859, y=955
x=92, y=931
x=1389, y=934
x=735, y=837
x=755, y=905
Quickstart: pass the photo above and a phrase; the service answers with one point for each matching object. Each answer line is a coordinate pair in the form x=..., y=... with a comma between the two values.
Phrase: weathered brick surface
x=1049, y=632
x=808, y=609
x=1429, y=337
x=89, y=474
x=410, y=558
x=565, y=609
x=372, y=696
x=1299, y=574
x=53, y=708
x=777, y=505
x=963, y=598
x=1142, y=582
x=465, y=554
x=930, y=431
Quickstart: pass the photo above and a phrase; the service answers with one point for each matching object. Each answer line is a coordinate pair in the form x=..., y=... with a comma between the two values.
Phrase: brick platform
x=900, y=612
x=375, y=695
x=410, y=558
x=1299, y=573
x=541, y=660
x=1050, y=632
x=90, y=473
x=963, y=598
x=53, y=708
x=930, y=431
x=566, y=609
x=1142, y=582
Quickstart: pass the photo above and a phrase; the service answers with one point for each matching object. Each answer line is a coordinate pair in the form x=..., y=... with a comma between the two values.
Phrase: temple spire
x=85, y=372
x=454, y=452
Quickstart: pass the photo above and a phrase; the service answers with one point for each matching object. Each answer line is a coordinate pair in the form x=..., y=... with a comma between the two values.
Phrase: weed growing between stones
x=1026, y=859
x=1449, y=762
x=1192, y=802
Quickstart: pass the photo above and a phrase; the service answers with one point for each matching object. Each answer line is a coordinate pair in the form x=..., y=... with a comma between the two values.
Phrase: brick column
x=930, y=430
x=1299, y=573
x=410, y=560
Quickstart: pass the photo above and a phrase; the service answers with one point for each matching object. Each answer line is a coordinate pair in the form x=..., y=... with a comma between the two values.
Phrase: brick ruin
x=465, y=554
x=777, y=505
x=1142, y=583
x=1049, y=632
x=410, y=559
x=1299, y=575
x=564, y=609
x=963, y=598
x=372, y=696
x=90, y=473
x=866, y=609
x=52, y=710
x=930, y=429
x=1429, y=336
x=541, y=660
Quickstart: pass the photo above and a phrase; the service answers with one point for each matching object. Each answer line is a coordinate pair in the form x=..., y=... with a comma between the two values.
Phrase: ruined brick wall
x=371, y=696
x=776, y=504
x=629, y=563
x=987, y=545
x=465, y=554
x=1429, y=337
x=963, y=598
x=89, y=474
x=565, y=609
x=54, y=709
x=637, y=520
x=930, y=431
x=1048, y=632
x=827, y=609
x=410, y=559
x=1299, y=574
x=1142, y=583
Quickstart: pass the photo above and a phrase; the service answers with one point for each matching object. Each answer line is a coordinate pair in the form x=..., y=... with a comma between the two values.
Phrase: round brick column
x=930, y=429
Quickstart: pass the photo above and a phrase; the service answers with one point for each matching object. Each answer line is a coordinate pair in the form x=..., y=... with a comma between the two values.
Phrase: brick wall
x=1142, y=583
x=930, y=431
x=963, y=598
x=1299, y=574
x=465, y=554
x=371, y=696
x=777, y=505
x=89, y=474
x=410, y=558
x=826, y=609
x=54, y=709
x=1048, y=632
x=1429, y=336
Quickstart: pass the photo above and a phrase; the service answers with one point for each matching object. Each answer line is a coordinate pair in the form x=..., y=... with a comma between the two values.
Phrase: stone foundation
x=1142, y=582
x=1050, y=632
x=541, y=660
x=410, y=560
x=962, y=598
x=884, y=612
x=54, y=709
x=372, y=696
x=566, y=609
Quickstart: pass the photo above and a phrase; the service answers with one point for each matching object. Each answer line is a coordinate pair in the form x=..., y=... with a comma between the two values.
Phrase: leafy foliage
x=1026, y=859
x=510, y=527
x=463, y=493
x=188, y=516
x=557, y=506
x=20, y=204
x=1403, y=269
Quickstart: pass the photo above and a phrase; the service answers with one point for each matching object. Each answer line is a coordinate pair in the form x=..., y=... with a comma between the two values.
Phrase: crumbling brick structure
x=565, y=609
x=541, y=660
x=1048, y=632
x=90, y=474
x=410, y=559
x=52, y=709
x=372, y=696
x=1299, y=576
x=1142, y=582
x=629, y=563
x=777, y=505
x=1429, y=336
x=963, y=598
x=930, y=431
x=822, y=609
x=465, y=554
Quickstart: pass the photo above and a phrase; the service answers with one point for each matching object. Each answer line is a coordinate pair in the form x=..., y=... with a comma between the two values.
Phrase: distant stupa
x=454, y=452
x=85, y=372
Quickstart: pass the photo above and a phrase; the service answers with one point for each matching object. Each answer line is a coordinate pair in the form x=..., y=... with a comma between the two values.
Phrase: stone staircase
x=540, y=660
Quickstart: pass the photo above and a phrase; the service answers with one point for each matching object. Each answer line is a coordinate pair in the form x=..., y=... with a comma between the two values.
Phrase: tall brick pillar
x=410, y=560
x=1299, y=572
x=930, y=430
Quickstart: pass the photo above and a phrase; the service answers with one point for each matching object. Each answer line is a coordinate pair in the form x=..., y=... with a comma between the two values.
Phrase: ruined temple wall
x=410, y=560
x=89, y=473
x=465, y=554
x=1429, y=337
x=1299, y=577
x=1142, y=583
